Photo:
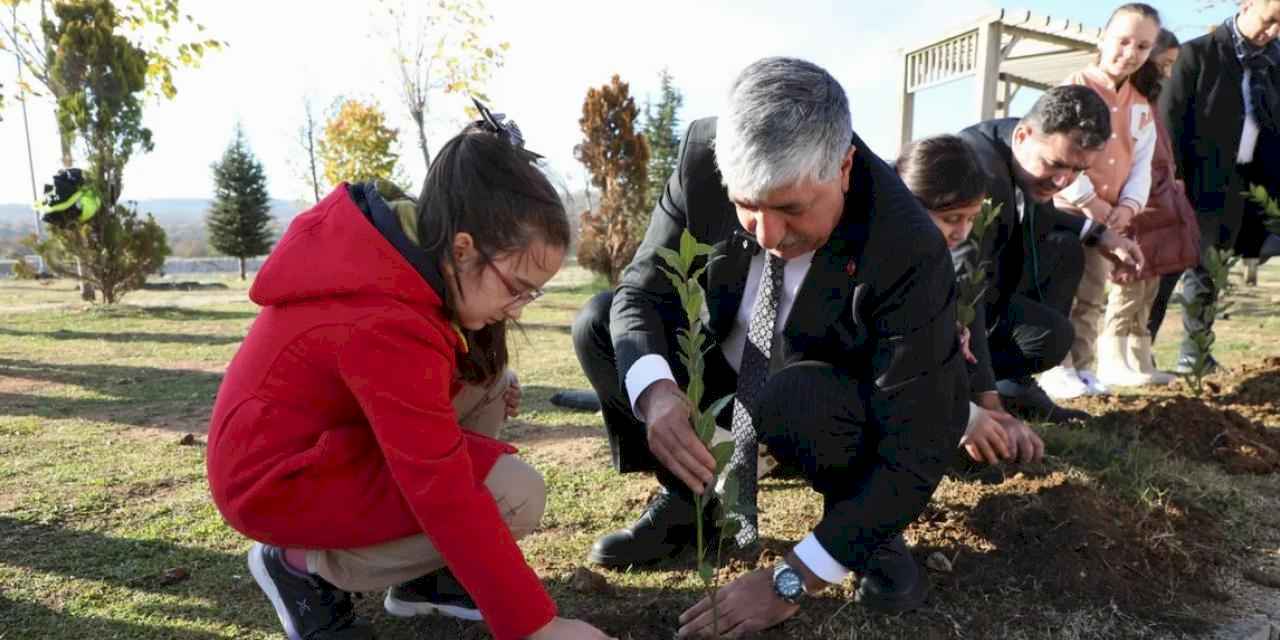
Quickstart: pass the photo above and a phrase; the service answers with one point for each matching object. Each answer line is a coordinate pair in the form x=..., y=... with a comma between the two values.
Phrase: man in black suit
x=1033, y=251
x=1222, y=105
x=864, y=390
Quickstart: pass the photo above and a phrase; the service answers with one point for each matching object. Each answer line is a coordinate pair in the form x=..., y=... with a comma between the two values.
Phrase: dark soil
x=1228, y=426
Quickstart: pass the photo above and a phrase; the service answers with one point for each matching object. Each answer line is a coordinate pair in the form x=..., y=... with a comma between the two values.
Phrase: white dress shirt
x=653, y=367
x=1248, y=137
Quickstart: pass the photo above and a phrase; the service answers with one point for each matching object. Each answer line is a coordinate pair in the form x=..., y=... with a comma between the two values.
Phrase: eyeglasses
x=519, y=298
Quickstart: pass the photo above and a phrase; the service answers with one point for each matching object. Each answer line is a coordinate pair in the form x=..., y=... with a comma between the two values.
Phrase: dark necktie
x=752, y=374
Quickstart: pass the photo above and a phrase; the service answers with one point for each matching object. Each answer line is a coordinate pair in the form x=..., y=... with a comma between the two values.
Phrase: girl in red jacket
x=334, y=442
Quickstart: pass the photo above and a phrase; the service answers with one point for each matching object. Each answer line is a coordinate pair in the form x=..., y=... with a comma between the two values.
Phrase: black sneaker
x=309, y=607
x=436, y=592
x=1024, y=398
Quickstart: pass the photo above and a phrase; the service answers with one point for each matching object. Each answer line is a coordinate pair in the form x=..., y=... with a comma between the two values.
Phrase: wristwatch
x=788, y=583
x=1094, y=234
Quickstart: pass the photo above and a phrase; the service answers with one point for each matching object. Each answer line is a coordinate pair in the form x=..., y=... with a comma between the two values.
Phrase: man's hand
x=986, y=440
x=747, y=605
x=1025, y=445
x=1121, y=251
x=671, y=438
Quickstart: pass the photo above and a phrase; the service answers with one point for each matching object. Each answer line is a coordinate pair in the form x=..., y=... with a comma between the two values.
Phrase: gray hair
x=787, y=122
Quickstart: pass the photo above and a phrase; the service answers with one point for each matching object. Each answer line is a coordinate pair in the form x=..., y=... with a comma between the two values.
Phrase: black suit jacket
x=1203, y=107
x=1008, y=246
x=878, y=301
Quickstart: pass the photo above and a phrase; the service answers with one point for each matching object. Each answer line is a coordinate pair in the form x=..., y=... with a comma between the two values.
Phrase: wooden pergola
x=1004, y=52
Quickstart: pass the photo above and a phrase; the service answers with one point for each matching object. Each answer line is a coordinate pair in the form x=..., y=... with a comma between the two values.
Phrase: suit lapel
x=824, y=295
x=727, y=279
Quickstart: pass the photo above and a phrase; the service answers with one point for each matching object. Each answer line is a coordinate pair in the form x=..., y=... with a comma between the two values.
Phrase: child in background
x=1111, y=192
x=334, y=442
x=1167, y=231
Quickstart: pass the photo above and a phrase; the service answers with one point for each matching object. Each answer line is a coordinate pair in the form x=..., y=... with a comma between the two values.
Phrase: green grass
x=99, y=499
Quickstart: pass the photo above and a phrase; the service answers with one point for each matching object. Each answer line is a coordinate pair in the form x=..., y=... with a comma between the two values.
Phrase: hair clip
x=498, y=123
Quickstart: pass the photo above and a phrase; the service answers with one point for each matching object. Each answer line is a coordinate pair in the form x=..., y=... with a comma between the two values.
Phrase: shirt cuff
x=1132, y=203
x=646, y=371
x=975, y=414
x=811, y=553
x=1084, y=231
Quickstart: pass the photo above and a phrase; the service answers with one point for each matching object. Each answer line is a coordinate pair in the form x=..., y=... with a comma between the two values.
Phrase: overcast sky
x=282, y=50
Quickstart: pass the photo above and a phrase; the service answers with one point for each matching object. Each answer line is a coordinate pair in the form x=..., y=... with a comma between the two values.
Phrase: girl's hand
x=964, y=335
x=568, y=629
x=1121, y=217
x=511, y=397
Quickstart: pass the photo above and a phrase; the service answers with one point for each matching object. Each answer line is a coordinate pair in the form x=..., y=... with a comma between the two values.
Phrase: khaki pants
x=1128, y=307
x=1087, y=310
x=518, y=489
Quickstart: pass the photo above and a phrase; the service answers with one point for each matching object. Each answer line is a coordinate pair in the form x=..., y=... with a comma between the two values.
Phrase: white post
x=988, y=69
x=906, y=104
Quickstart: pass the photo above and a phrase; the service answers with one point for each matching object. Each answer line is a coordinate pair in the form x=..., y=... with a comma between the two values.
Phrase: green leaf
x=722, y=452
x=696, y=389
x=729, y=528
x=729, y=497
x=673, y=259
x=706, y=572
x=688, y=248
x=705, y=427
x=718, y=406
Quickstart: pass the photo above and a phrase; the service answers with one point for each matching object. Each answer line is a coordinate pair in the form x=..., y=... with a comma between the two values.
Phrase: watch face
x=788, y=583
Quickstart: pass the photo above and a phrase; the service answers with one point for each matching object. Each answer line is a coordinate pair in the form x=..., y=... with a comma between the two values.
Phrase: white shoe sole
x=260, y=575
x=402, y=609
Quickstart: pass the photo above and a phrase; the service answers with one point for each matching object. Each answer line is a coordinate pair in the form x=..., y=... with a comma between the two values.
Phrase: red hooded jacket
x=334, y=427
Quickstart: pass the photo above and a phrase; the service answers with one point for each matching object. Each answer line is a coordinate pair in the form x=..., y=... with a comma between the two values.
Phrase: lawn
x=106, y=529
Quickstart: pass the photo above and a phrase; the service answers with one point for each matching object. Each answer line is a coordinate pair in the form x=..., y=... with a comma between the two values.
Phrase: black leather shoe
x=663, y=531
x=1025, y=399
x=893, y=582
x=1187, y=361
x=1270, y=248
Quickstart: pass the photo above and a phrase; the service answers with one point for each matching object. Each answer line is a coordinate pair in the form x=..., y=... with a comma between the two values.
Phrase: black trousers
x=1160, y=306
x=812, y=417
x=1033, y=333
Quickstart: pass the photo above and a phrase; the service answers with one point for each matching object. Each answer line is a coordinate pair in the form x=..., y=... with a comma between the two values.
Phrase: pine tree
x=240, y=220
x=661, y=131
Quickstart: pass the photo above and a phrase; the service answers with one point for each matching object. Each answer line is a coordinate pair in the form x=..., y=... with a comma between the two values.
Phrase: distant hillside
x=168, y=212
x=183, y=221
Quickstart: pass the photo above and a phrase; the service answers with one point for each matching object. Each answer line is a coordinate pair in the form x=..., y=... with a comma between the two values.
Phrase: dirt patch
x=1227, y=427
x=566, y=446
x=1059, y=540
x=1207, y=433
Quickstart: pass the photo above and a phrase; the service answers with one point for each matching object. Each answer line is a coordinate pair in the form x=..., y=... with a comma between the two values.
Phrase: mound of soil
x=1052, y=539
x=1257, y=386
x=1207, y=433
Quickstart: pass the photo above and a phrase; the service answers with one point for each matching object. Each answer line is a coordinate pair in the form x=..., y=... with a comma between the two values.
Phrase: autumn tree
x=358, y=146
x=661, y=131
x=107, y=76
x=617, y=157
x=440, y=48
x=240, y=220
x=168, y=37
